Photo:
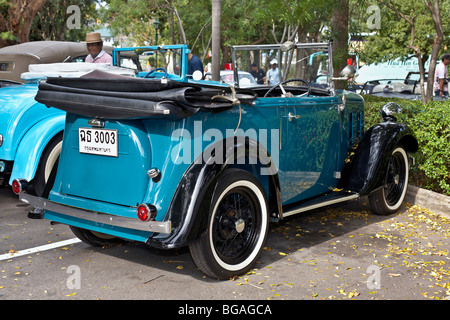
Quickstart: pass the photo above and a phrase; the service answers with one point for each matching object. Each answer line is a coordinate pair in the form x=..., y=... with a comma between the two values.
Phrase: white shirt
x=102, y=57
x=273, y=76
x=441, y=73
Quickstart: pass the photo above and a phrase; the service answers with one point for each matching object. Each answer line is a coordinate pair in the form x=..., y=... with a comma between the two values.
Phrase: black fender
x=190, y=207
x=365, y=171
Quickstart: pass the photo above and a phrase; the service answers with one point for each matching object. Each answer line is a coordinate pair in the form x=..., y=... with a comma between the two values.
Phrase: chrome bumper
x=104, y=218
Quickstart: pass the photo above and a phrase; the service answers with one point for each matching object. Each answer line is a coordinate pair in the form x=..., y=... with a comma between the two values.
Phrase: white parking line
x=45, y=247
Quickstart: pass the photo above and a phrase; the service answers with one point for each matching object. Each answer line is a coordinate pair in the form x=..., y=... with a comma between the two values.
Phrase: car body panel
x=32, y=146
x=26, y=126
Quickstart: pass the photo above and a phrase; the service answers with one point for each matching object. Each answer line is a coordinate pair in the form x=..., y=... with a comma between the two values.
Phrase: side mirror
x=288, y=45
x=346, y=73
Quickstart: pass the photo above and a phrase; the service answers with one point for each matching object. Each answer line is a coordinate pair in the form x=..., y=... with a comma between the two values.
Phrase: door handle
x=292, y=116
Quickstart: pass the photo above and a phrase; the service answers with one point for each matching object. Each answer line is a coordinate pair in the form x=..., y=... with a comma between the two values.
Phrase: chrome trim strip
x=105, y=218
x=318, y=205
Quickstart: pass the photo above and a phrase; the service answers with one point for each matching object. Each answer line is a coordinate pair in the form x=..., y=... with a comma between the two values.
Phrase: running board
x=334, y=198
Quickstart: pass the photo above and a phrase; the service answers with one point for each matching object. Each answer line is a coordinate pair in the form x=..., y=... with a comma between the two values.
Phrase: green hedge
x=431, y=126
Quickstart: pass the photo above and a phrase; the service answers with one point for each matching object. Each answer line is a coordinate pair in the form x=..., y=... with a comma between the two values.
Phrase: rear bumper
x=97, y=217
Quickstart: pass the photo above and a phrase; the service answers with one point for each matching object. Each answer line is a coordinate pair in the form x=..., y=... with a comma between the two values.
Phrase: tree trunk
x=339, y=27
x=438, y=39
x=21, y=14
x=215, y=59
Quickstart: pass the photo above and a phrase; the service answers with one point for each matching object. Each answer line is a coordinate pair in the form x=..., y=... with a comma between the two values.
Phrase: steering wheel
x=286, y=81
x=155, y=70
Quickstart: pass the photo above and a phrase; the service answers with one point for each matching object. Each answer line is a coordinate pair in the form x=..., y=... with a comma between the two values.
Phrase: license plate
x=103, y=142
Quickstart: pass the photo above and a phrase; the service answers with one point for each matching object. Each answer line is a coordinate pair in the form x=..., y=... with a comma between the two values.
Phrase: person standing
x=94, y=45
x=273, y=75
x=257, y=73
x=441, y=77
x=194, y=64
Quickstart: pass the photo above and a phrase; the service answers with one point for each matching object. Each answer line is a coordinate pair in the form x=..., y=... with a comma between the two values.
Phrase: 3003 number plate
x=103, y=142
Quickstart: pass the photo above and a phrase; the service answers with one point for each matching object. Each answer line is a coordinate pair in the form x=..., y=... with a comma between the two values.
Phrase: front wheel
x=237, y=227
x=390, y=197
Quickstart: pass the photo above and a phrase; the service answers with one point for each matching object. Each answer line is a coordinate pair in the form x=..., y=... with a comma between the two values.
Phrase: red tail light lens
x=19, y=186
x=146, y=212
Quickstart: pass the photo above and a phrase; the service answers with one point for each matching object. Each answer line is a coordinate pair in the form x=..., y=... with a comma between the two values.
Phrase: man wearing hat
x=273, y=75
x=94, y=45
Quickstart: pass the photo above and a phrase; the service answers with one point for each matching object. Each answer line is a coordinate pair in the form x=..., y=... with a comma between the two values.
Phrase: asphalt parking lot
x=334, y=253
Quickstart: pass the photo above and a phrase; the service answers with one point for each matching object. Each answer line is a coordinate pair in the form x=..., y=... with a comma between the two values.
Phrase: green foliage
x=392, y=39
x=50, y=22
x=431, y=126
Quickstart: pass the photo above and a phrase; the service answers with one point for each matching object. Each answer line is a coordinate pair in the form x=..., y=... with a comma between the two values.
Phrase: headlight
x=1, y=140
x=390, y=110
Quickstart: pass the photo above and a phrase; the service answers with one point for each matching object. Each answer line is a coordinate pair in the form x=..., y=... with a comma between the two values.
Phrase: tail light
x=146, y=212
x=19, y=186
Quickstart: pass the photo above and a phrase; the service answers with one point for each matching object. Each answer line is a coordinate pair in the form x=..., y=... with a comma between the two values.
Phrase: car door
x=311, y=147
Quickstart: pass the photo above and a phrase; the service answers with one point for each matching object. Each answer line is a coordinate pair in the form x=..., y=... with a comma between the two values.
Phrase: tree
x=339, y=34
x=16, y=17
x=437, y=44
x=216, y=13
x=407, y=29
x=51, y=22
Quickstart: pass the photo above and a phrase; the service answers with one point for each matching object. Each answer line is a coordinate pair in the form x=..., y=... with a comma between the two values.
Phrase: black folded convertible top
x=104, y=95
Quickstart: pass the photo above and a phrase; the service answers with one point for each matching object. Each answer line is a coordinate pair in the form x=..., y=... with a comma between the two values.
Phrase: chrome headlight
x=390, y=110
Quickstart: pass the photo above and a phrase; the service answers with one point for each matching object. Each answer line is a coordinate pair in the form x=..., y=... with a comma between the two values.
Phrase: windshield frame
x=183, y=50
x=325, y=46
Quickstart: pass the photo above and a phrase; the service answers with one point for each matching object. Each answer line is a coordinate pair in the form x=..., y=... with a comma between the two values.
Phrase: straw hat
x=93, y=37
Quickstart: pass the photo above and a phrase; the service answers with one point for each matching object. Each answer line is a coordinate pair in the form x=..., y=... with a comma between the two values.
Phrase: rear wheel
x=95, y=239
x=388, y=199
x=237, y=226
x=49, y=159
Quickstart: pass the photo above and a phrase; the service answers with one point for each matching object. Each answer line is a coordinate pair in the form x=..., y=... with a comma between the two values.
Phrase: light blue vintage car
x=172, y=162
x=30, y=133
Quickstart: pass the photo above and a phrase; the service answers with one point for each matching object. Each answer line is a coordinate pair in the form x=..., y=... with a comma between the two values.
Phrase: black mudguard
x=365, y=171
x=190, y=207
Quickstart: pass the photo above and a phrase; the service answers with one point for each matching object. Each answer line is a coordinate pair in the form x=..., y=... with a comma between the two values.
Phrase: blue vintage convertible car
x=172, y=162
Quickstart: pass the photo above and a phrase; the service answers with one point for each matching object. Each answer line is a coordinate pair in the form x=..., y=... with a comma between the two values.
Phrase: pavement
x=336, y=253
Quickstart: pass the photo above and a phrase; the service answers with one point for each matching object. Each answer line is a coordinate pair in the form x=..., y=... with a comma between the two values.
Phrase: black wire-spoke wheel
x=237, y=227
x=388, y=199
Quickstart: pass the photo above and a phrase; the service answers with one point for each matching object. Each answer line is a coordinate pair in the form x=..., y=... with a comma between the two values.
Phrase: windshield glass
x=272, y=64
x=147, y=59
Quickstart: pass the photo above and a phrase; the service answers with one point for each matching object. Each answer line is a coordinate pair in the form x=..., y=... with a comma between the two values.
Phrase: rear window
x=6, y=66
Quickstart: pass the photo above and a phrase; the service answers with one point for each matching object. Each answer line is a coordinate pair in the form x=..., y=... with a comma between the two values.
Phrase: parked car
x=408, y=88
x=31, y=133
x=15, y=59
x=178, y=162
